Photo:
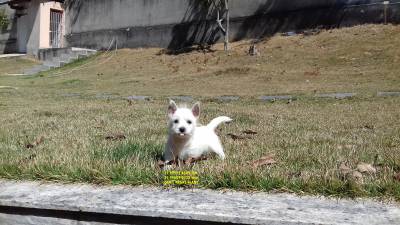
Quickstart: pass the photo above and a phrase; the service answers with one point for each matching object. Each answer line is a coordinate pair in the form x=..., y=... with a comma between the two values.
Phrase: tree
x=3, y=19
x=222, y=7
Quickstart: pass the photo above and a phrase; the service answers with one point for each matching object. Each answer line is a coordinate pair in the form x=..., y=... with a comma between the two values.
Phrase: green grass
x=310, y=138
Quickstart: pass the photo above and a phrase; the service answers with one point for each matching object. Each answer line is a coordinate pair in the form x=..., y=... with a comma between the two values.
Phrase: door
x=55, y=28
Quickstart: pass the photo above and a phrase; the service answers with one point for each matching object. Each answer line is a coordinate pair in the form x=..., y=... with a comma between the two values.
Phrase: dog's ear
x=196, y=109
x=171, y=107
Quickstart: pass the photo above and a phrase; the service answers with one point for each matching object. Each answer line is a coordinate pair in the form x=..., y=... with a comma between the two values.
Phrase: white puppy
x=186, y=140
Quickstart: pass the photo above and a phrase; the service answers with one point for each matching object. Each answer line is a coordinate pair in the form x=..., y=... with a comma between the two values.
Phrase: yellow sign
x=180, y=178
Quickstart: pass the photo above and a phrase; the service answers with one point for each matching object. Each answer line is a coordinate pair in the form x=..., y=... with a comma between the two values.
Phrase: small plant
x=3, y=20
x=222, y=8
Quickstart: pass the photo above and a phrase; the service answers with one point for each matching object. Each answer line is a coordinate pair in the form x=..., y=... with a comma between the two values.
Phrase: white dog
x=186, y=140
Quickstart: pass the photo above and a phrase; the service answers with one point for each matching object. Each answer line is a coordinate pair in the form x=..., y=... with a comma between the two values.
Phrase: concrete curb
x=176, y=206
x=232, y=98
x=11, y=55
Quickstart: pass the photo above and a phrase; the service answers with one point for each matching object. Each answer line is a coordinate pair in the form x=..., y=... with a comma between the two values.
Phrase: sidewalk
x=11, y=55
x=36, y=203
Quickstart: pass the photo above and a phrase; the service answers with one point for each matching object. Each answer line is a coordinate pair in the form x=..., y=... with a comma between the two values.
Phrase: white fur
x=186, y=140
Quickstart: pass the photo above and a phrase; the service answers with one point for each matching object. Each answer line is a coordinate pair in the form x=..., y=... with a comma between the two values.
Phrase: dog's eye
x=189, y=122
x=176, y=121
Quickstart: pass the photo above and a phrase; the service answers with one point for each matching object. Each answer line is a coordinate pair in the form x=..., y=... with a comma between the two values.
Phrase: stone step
x=75, y=49
x=60, y=58
x=68, y=57
x=52, y=64
x=49, y=54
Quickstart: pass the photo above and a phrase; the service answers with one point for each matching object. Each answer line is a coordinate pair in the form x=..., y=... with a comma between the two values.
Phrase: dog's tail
x=217, y=121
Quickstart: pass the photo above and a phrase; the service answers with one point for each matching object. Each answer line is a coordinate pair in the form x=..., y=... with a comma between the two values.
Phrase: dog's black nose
x=182, y=130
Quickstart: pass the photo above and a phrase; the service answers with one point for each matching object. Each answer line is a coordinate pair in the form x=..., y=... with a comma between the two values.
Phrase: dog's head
x=182, y=121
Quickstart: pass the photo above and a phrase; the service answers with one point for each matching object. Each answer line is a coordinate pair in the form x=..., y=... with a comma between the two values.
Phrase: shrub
x=3, y=20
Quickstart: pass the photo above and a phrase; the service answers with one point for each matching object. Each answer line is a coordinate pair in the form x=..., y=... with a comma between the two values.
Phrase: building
x=174, y=24
x=36, y=24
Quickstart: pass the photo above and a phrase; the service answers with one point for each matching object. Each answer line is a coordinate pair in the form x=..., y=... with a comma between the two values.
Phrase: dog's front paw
x=168, y=167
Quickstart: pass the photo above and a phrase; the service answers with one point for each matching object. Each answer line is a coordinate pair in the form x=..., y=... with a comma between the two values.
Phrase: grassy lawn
x=16, y=65
x=46, y=135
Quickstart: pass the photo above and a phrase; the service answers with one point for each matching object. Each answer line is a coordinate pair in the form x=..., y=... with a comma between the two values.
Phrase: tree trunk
x=226, y=42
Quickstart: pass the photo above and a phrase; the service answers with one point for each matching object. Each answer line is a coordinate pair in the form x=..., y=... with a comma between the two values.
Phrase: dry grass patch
x=16, y=65
x=360, y=59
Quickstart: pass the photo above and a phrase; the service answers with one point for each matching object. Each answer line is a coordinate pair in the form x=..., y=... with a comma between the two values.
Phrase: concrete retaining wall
x=28, y=32
x=22, y=34
x=8, y=36
x=37, y=203
x=176, y=24
x=179, y=23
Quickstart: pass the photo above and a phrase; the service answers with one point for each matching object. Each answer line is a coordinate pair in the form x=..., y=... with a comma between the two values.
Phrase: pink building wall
x=45, y=7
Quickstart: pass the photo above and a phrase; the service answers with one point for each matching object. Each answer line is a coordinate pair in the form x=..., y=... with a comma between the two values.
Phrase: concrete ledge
x=228, y=98
x=11, y=55
x=336, y=95
x=388, y=94
x=272, y=98
x=27, y=202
